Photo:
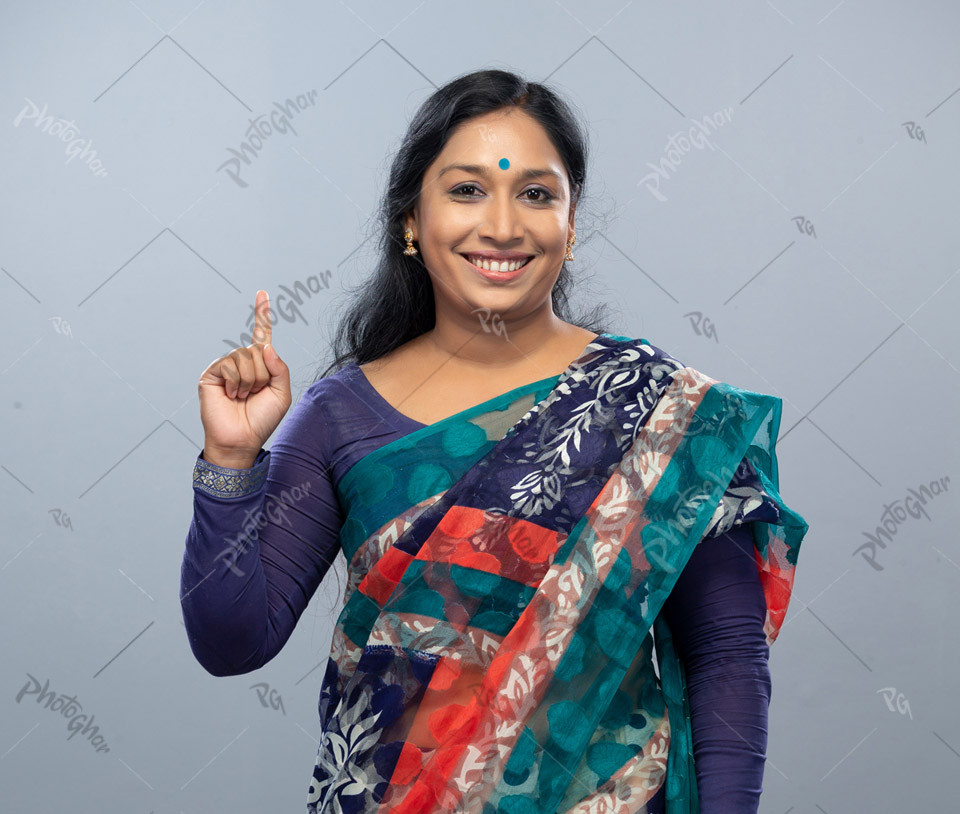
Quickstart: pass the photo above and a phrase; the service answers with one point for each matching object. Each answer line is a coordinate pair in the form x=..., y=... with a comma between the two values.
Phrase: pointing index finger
x=262, y=330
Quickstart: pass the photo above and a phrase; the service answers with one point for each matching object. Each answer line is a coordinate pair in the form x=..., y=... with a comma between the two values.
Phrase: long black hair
x=396, y=303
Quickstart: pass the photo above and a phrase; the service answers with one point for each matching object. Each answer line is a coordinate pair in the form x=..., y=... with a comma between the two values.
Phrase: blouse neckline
x=516, y=391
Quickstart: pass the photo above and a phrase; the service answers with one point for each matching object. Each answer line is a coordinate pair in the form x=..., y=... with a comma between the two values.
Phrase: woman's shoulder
x=343, y=385
x=344, y=418
x=684, y=374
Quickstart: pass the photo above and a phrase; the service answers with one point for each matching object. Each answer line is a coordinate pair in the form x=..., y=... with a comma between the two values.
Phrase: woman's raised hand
x=244, y=396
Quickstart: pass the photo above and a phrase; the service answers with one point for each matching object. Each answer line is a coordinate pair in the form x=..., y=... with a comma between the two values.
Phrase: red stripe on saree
x=466, y=535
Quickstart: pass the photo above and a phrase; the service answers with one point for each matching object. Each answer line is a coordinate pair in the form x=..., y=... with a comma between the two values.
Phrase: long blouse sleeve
x=716, y=613
x=259, y=544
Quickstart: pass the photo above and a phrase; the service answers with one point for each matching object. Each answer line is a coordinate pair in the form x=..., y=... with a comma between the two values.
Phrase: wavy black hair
x=395, y=304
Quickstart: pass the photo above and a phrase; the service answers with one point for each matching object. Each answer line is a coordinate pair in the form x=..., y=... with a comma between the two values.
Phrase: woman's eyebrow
x=477, y=169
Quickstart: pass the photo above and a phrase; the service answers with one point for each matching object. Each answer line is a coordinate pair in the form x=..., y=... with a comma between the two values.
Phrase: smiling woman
x=491, y=167
x=528, y=514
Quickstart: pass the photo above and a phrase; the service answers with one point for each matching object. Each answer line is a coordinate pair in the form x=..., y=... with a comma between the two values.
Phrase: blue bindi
x=504, y=163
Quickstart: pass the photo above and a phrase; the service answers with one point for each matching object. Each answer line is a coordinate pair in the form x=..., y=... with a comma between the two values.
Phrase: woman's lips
x=499, y=276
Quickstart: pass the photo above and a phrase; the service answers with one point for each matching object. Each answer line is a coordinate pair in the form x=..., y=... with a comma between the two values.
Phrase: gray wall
x=815, y=232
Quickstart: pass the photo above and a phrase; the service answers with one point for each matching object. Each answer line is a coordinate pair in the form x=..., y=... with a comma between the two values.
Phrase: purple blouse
x=252, y=563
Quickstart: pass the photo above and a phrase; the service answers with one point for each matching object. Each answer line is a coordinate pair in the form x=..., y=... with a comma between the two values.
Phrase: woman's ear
x=410, y=222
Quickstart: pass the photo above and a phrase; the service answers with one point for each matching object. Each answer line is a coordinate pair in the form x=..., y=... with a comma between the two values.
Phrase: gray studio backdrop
x=772, y=200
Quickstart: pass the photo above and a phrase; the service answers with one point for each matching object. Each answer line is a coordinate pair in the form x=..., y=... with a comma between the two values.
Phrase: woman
x=519, y=499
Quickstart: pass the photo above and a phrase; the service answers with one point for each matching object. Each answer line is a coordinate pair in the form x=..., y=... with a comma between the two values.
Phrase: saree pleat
x=507, y=569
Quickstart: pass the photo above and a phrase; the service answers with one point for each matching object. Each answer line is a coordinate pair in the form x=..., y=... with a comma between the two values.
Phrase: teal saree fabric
x=506, y=571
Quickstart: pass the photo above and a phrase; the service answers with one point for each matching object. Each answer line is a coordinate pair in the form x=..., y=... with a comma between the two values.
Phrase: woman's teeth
x=487, y=265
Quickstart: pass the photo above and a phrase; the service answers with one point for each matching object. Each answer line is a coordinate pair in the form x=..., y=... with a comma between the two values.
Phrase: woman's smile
x=498, y=272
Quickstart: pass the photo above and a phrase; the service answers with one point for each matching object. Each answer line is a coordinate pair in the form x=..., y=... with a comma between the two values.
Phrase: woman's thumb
x=275, y=365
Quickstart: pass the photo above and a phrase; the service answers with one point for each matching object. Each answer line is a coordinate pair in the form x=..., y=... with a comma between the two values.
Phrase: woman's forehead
x=484, y=149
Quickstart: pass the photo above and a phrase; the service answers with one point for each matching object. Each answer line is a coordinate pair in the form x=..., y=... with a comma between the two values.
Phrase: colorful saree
x=506, y=571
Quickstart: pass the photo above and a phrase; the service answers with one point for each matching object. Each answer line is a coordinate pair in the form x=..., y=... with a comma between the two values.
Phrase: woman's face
x=499, y=186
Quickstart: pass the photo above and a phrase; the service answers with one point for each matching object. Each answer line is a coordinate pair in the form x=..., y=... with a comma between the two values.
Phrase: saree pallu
x=506, y=571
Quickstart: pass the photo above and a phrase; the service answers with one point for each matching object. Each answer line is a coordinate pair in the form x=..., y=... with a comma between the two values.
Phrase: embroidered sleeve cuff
x=226, y=483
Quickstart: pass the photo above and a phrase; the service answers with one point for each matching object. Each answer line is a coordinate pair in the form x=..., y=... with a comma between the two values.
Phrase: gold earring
x=411, y=250
x=570, y=242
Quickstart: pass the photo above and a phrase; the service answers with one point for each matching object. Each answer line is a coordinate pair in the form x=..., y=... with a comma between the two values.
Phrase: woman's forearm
x=716, y=613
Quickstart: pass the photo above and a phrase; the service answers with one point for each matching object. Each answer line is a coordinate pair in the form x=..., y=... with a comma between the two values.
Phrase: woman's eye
x=544, y=195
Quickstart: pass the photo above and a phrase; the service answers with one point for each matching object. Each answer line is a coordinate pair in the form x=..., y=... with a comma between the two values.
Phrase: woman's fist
x=244, y=396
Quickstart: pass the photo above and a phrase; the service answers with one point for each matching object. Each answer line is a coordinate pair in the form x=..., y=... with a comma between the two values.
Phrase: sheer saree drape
x=507, y=568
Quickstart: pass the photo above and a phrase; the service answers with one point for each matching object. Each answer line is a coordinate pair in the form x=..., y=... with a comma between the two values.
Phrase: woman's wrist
x=229, y=459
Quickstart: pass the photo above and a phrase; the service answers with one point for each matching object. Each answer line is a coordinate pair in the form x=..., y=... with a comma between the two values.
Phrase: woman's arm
x=259, y=544
x=716, y=613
